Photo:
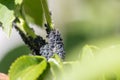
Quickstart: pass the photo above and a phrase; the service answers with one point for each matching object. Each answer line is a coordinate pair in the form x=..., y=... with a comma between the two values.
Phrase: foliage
x=103, y=66
x=7, y=9
x=27, y=67
x=92, y=63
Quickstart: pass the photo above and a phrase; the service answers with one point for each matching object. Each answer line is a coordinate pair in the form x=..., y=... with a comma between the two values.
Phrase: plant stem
x=28, y=35
x=47, y=14
x=23, y=26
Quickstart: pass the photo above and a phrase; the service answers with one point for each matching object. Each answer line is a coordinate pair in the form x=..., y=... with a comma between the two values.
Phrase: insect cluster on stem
x=40, y=47
x=54, y=45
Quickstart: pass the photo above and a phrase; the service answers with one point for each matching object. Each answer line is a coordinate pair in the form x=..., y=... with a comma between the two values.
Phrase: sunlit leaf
x=18, y=2
x=47, y=74
x=7, y=14
x=27, y=68
x=56, y=66
x=47, y=13
x=67, y=66
x=88, y=53
x=7, y=8
x=106, y=62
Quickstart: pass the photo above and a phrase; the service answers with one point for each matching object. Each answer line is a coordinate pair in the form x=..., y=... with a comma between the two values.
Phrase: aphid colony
x=54, y=45
x=40, y=47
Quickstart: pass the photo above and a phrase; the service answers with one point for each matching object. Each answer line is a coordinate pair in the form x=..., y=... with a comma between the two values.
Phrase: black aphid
x=33, y=43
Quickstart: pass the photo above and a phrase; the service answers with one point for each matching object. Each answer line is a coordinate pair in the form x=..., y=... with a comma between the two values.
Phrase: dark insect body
x=33, y=43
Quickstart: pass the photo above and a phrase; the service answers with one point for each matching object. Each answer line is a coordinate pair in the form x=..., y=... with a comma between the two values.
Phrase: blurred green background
x=94, y=22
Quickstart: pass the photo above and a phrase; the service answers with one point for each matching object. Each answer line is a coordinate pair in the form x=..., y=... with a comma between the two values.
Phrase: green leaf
x=27, y=68
x=47, y=74
x=57, y=58
x=33, y=12
x=56, y=66
x=106, y=64
x=67, y=66
x=18, y=2
x=88, y=53
x=47, y=13
x=7, y=8
x=7, y=14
